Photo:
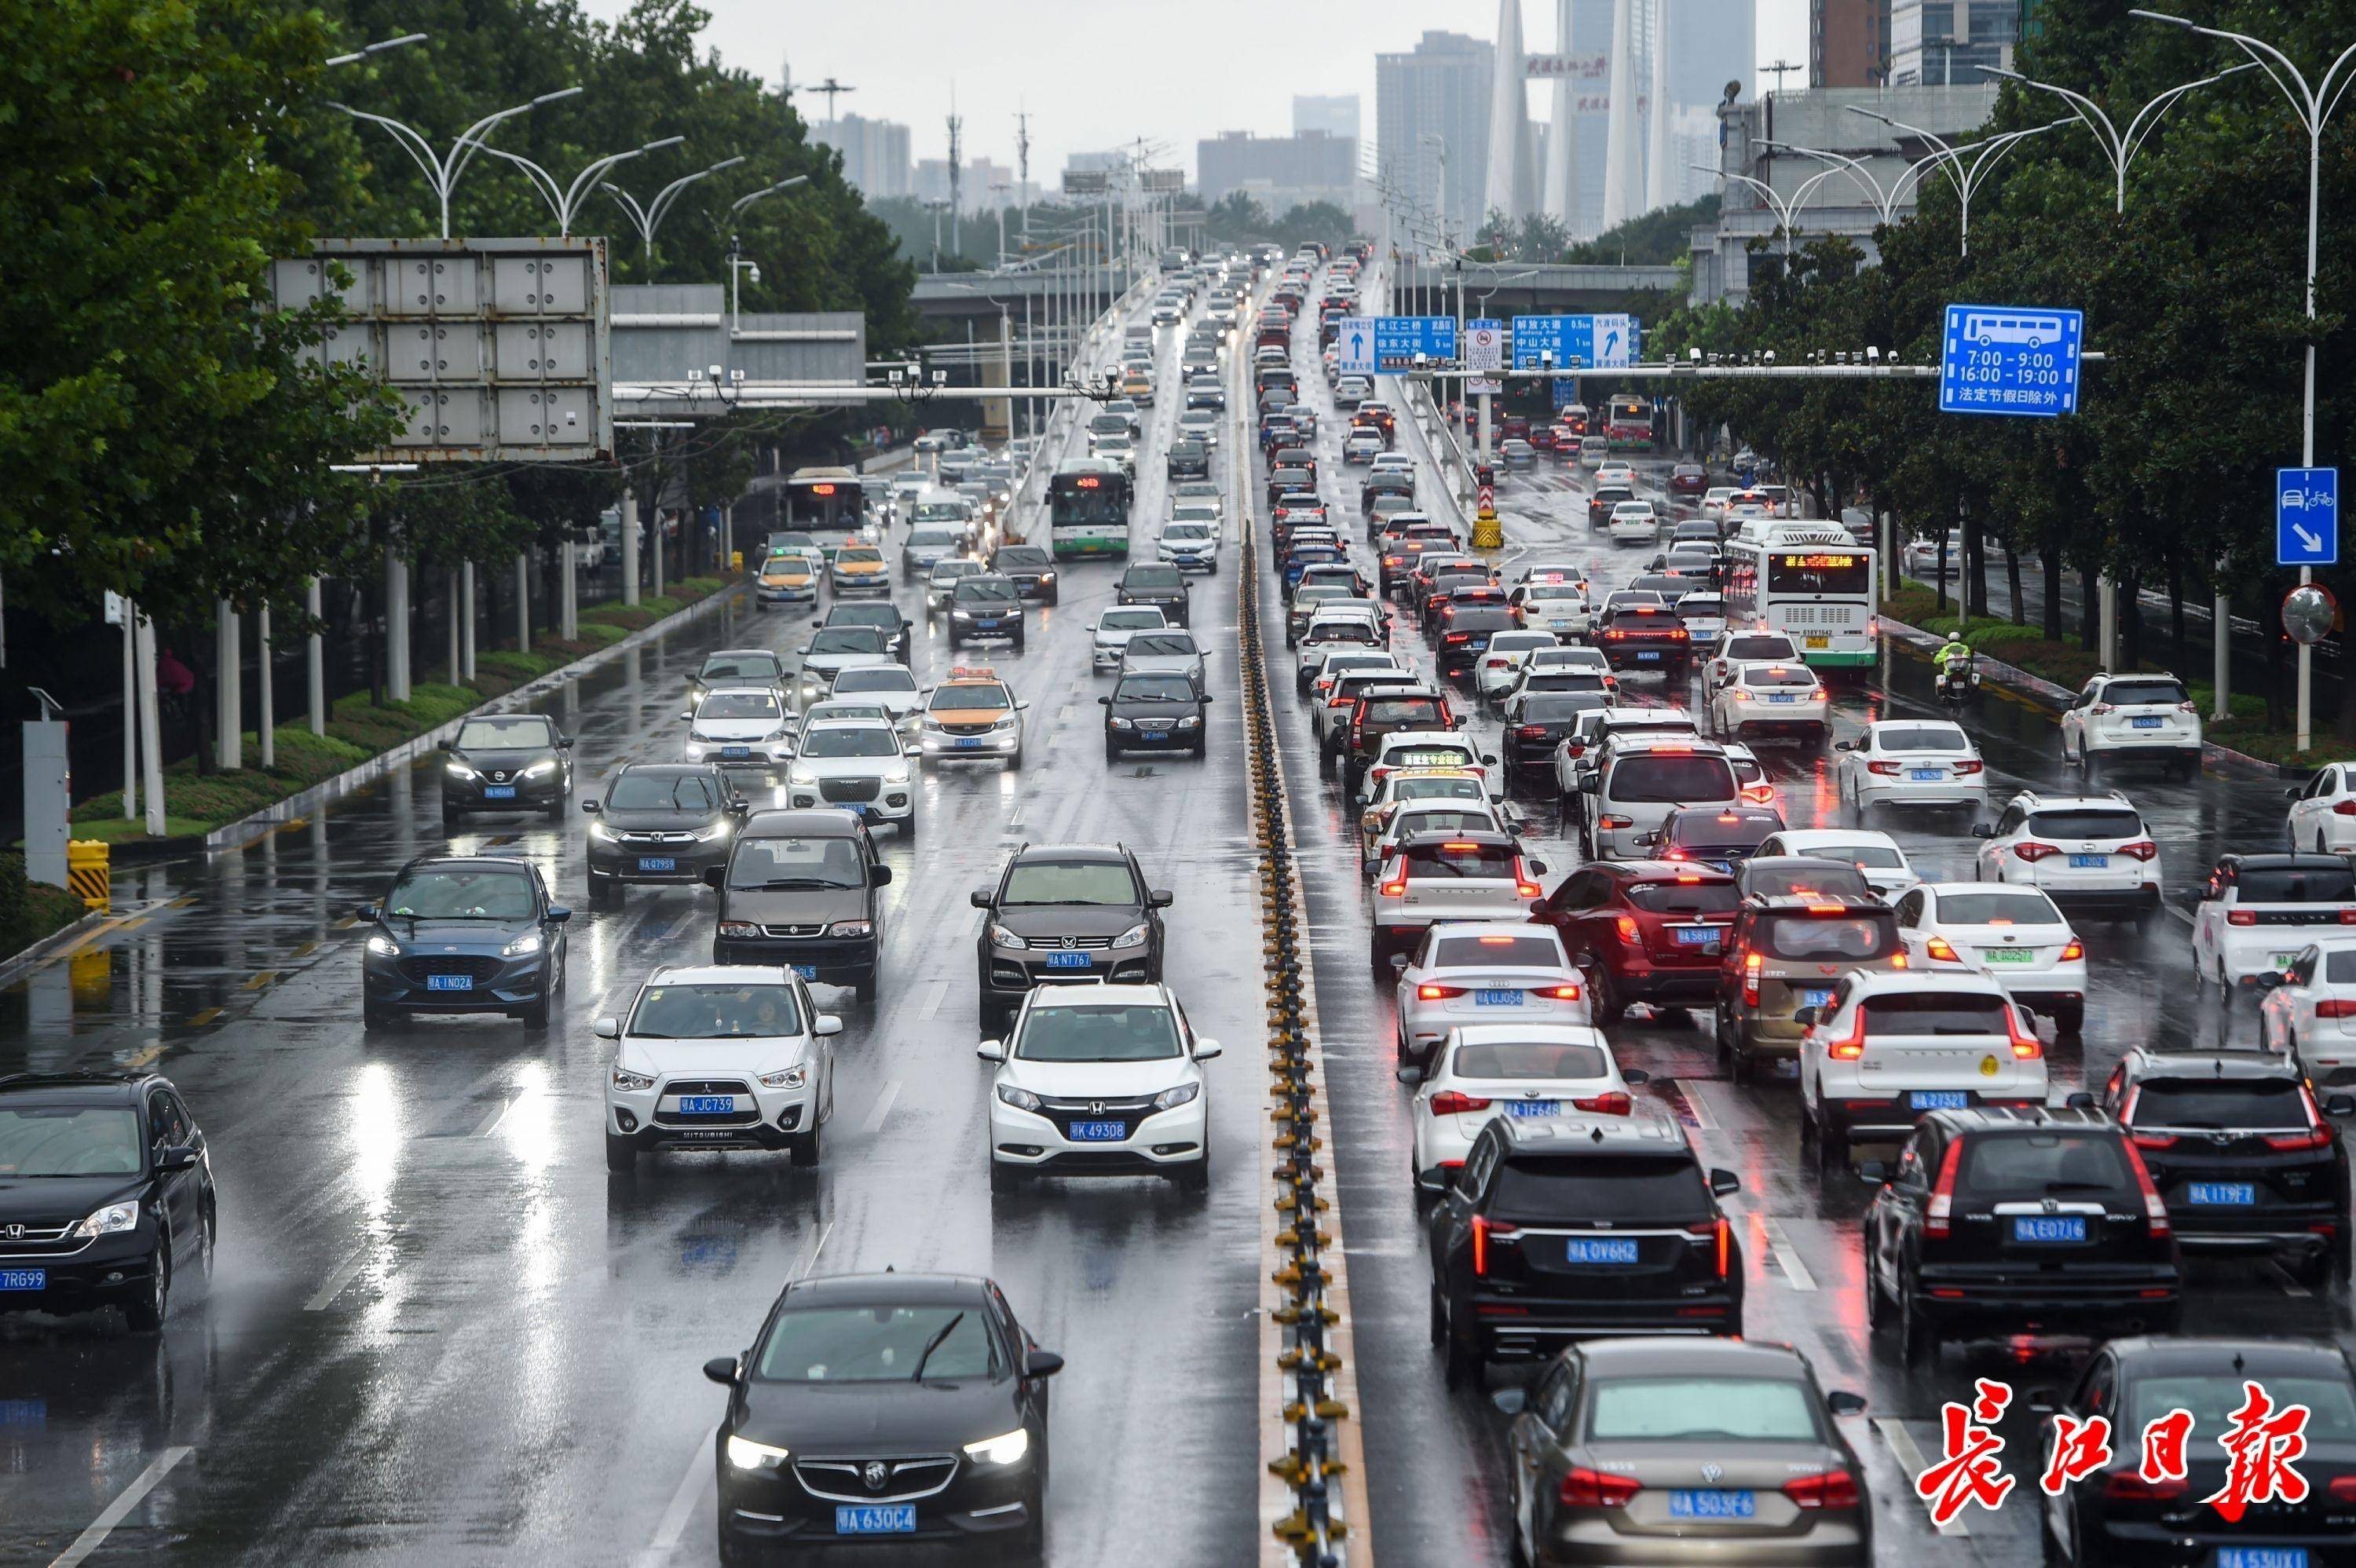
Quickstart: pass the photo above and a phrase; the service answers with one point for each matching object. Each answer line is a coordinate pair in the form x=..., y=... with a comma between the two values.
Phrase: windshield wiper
x=934, y=1344
x=2078, y=1186
x=792, y=883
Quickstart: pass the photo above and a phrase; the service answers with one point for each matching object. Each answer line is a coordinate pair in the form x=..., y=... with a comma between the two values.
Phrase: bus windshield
x=826, y=504
x=1088, y=499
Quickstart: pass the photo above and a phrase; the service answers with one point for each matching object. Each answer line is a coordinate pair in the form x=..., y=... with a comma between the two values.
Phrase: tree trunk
x=2012, y=584
x=2090, y=611
x=2049, y=560
x=1941, y=584
x=2177, y=656
x=1975, y=591
x=204, y=667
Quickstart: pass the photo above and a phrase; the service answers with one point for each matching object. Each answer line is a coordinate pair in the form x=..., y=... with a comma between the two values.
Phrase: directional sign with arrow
x=2307, y=517
x=1356, y=344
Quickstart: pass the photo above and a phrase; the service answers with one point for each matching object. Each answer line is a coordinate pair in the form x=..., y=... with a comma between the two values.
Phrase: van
x=1639, y=779
x=793, y=881
x=942, y=508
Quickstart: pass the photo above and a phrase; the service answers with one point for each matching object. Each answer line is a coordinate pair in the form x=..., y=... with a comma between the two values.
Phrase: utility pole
x=1023, y=171
x=1779, y=70
x=956, y=178
x=831, y=88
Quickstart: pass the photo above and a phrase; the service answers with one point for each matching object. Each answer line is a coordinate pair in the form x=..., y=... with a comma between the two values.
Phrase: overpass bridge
x=1513, y=288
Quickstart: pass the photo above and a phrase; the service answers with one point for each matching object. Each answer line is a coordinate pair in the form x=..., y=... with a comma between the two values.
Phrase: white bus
x=1809, y=581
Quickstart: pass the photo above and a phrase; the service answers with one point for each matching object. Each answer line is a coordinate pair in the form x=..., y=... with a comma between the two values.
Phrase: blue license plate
x=2049, y=1227
x=2146, y=723
x=1927, y=775
x=1617, y=1251
x=1098, y=1132
x=2262, y=1557
x=1071, y=961
x=498, y=792
x=1777, y=696
x=892, y=1518
x=2230, y=1194
x=658, y=863
x=968, y=742
x=23, y=1279
x=1156, y=734
x=1534, y=1107
x=449, y=982
x=1939, y=1099
x=736, y=754
x=2089, y=862
x=1497, y=997
x=986, y=625
x=1713, y=1505
x=1648, y=656
x=1698, y=936
x=707, y=1105
x=1815, y=998
x=807, y=971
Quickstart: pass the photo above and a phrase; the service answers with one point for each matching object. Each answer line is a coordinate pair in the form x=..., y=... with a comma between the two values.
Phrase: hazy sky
x=1097, y=73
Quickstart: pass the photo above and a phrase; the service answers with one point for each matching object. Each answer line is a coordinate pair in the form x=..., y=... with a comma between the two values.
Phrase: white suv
x=2323, y=815
x=860, y=764
x=1890, y=1046
x=2120, y=717
x=2258, y=912
x=2091, y=853
x=719, y=1056
x=1099, y=1080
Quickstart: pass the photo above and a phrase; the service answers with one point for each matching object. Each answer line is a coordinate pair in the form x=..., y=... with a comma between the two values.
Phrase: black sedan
x=1189, y=460
x=883, y=1408
x=1163, y=587
x=1539, y=721
x=1032, y=568
x=881, y=613
x=659, y=823
x=1065, y=912
x=507, y=762
x=1155, y=710
x=463, y=934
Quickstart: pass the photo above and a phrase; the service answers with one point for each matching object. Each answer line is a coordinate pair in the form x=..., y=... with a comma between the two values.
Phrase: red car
x=1542, y=439
x=1644, y=930
x=1688, y=479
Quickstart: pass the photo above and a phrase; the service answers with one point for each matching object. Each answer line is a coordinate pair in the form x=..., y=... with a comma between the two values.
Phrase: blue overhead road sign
x=1366, y=344
x=2307, y=517
x=1589, y=342
x=2017, y=361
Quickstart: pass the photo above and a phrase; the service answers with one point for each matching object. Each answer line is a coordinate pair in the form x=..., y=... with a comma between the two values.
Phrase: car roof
x=1477, y=928
x=2032, y=800
x=2003, y=1119
x=1646, y=1131
x=2256, y=1355
x=911, y=1289
x=1653, y=1355
x=76, y=1088
x=1889, y=982
x=1085, y=993
x=717, y=974
x=1537, y=1034
x=1108, y=852
x=2237, y=1066
x=2278, y=862
x=1801, y=837
x=471, y=862
x=802, y=822
x=1810, y=903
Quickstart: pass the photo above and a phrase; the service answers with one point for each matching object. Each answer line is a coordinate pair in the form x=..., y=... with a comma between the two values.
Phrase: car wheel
x=147, y=1312
x=1324, y=762
x=535, y=1012
x=864, y=989
x=1460, y=1365
x=1202, y=747
x=451, y=818
x=1014, y=763
x=1876, y=1306
x=621, y=1155
x=556, y=811
x=2070, y=1020
x=807, y=1147
x=1917, y=1341
x=1439, y=1320
x=2049, y=1546
x=1112, y=751
x=1005, y=1178
x=1832, y=1151
x=1194, y=1179
x=1608, y=1008
x=374, y=1017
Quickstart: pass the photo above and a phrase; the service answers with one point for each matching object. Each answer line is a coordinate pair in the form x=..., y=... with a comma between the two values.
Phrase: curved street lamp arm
x=2140, y=127
x=541, y=181
x=462, y=151
x=581, y=181
x=420, y=151
x=1858, y=172
x=630, y=205
x=670, y=193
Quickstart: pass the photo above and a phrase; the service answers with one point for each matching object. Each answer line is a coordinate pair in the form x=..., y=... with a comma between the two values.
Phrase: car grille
x=481, y=966
x=42, y=1241
x=706, y=1086
x=968, y=729
x=845, y=1480
x=850, y=789
x=793, y=929
x=654, y=837
x=1071, y=943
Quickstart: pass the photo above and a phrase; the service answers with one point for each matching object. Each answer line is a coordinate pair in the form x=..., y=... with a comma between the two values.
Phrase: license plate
x=498, y=792
x=1071, y=960
x=1698, y=936
x=968, y=742
x=894, y=1519
x=1818, y=643
x=1938, y=1099
x=2262, y=1557
x=1815, y=998
x=2089, y=862
x=707, y=1105
x=2008, y=954
x=1617, y=1251
x=1648, y=656
x=1534, y=1107
x=449, y=982
x=1926, y=776
x=1713, y=1505
x=1098, y=1132
x=2049, y=1227
x=1155, y=734
x=807, y=971
x=2227, y=1194
x=736, y=754
x=1499, y=997
x=2284, y=960
x=1778, y=697
x=2146, y=723
x=658, y=863
x=986, y=625
x=23, y=1279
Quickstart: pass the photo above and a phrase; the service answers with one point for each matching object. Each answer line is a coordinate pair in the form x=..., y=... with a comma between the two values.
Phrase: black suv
x=1163, y=587
x=985, y=605
x=1574, y=1227
x=507, y=762
x=2240, y=1154
x=1159, y=710
x=463, y=934
x=659, y=823
x=1188, y=459
x=881, y=613
x=109, y=1194
x=1065, y=912
x=2000, y=1219
x=800, y=890
x=1032, y=568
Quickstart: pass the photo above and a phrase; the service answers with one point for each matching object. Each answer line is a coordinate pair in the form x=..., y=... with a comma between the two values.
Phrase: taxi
x=972, y=716
x=787, y=577
x=1415, y=784
x=859, y=569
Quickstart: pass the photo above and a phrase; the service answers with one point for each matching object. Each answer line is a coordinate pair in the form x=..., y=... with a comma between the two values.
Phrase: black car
x=1384, y=482
x=1287, y=478
x=1032, y=568
x=2115, y=1516
x=1718, y=836
x=1065, y=912
x=1464, y=632
x=884, y=1408
x=659, y=823
x=1601, y=501
x=1155, y=710
x=985, y=605
x=800, y=890
x=463, y=934
x=1189, y=460
x=736, y=666
x=1538, y=722
x=1562, y=1228
x=107, y=1194
x=883, y=616
x=1161, y=586
x=2240, y=1154
x=2001, y=1220
x=507, y=762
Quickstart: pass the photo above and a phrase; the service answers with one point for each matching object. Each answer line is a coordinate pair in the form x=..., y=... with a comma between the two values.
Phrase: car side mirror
x=2079, y=1100
x=446, y=746
x=687, y=718
x=1983, y=830
x=557, y=914
x=1844, y=745
x=878, y=875
x=1041, y=1364
x=1635, y=1077
x=1160, y=898
x=991, y=1050
x=721, y=1369
x=564, y=742
x=713, y=875
x=1874, y=1170
x=739, y=806
x=178, y=1157
x=1433, y=1181
x=606, y=1028
x=1511, y=1401
x=1024, y=702
x=2266, y=980
x=1399, y=963
x=978, y=898
x=1806, y=1017
x=2339, y=1104
x=1538, y=868
x=367, y=914
x=1840, y=1402
x=1208, y=1050
x=1723, y=1182
x=2292, y=793
x=827, y=1023
x=1409, y=1075
x=589, y=804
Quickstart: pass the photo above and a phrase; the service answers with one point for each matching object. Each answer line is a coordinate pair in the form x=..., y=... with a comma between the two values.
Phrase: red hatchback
x=1650, y=931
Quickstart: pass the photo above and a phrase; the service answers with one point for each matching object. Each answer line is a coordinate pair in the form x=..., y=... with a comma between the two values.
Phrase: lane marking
x=89, y=1540
x=2183, y=914
x=1691, y=1089
x=341, y=1277
x=683, y=1498
x=934, y=995
x=490, y=1124
x=1901, y=1444
x=304, y=950
x=802, y=1266
x=258, y=981
x=874, y=1122
x=200, y=1019
x=146, y=1056
x=1795, y=1273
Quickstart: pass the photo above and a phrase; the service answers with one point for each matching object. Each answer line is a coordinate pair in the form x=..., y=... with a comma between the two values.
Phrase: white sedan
x=2310, y=1012
x=1876, y=855
x=1465, y=970
x=1910, y=761
x=1404, y=820
x=1410, y=785
x=1633, y=522
x=1109, y=636
x=2014, y=935
x=2323, y=814
x=1485, y=1070
x=1501, y=663
x=1771, y=700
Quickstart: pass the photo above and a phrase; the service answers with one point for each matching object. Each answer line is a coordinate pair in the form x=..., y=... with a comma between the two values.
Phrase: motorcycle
x=1959, y=682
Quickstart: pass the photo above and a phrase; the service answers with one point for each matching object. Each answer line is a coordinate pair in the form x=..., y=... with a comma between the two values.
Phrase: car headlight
x=458, y=770
x=1046, y=577
x=694, y=752
x=805, y=778
x=1119, y=723
x=901, y=777
x=746, y=1455
x=381, y=944
x=1171, y=1099
x=522, y=946
x=851, y=928
x=629, y=1081
x=1188, y=722
x=791, y=1078
x=928, y=722
x=1006, y=1450
x=107, y=1220
x=1001, y=937
x=539, y=770
x=1134, y=936
x=600, y=832
x=714, y=833
x=1021, y=1099
x=1005, y=723
x=960, y=614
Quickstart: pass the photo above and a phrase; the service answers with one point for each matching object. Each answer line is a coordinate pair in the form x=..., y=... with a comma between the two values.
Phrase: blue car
x=463, y=934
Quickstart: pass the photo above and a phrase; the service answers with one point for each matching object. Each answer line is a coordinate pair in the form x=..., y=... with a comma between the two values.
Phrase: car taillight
x=1379, y=771
x=2337, y=1008
x=1396, y=887
x=2072, y=951
x=1832, y=1489
x=1888, y=770
x=2154, y=1212
x=1523, y=886
x=1558, y=993
x=2141, y=849
x=1449, y=1102
x=2102, y=708
x=1615, y=1104
x=2153, y=1140
x=1340, y=702
x=1486, y=1233
x=1615, y=634
x=1495, y=664
x=1751, y=963
x=2347, y=916
x=1429, y=993
x=1678, y=635
x=2318, y=1135
x=1850, y=1046
x=2189, y=707
x=1610, y=820
x=2241, y=917
x=1625, y=924
x=2032, y=851
x=1939, y=948
x=1460, y=636
x=2345, y=808
x=1532, y=731
x=1760, y=793
x=2342, y=1488
x=2126, y=1486
x=1938, y=1219
x=1966, y=769
x=2026, y=1046
x=1584, y=1489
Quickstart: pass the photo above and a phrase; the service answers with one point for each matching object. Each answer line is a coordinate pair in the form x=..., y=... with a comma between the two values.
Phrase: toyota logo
x=876, y=1474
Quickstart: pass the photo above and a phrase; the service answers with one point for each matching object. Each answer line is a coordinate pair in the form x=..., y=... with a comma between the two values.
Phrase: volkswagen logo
x=2051, y=1206
x=1713, y=1474
x=1070, y=942
x=875, y=1473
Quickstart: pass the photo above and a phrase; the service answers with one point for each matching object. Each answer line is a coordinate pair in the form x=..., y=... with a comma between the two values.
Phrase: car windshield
x=847, y=640
x=461, y=893
x=1922, y=738
x=1187, y=531
x=960, y=699
x=2086, y=822
x=68, y=1140
x=1827, y=936
x=2021, y=908
x=881, y=616
x=1102, y=883
x=851, y=741
x=1152, y=577
x=652, y=792
x=1696, y=896
x=973, y=591
x=715, y=1012
x=1497, y=952
x=1021, y=555
x=1669, y=779
x=2333, y=884
x=1659, y=1190
x=1154, y=688
x=2017, y=1166
x=1690, y=1408
x=1163, y=643
x=741, y=705
x=888, y=678
x=2211, y=1399
x=2267, y=1104
x=1934, y=1012
x=797, y=863
x=514, y=733
x=877, y=1344
x=2119, y=693
x=740, y=666
x=1098, y=1031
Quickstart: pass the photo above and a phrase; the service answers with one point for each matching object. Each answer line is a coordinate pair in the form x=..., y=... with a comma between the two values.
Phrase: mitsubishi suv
x=1067, y=912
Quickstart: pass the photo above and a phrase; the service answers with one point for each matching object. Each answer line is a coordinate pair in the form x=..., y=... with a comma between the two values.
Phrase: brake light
x=1832, y=1489
x=1487, y=1232
x=2348, y=917
x=1532, y=731
x=2073, y=951
x=2032, y=851
x=2154, y=1212
x=1850, y=1046
x=1626, y=926
x=1751, y=963
x=1615, y=1104
x=1449, y=1102
x=2026, y=1046
x=1610, y=820
x=2345, y=808
x=1584, y=1489
x=1938, y=1219
x=1396, y=887
x=2342, y=1488
x=2153, y=1140
x=1523, y=886
x=1762, y=792
x=1966, y=769
x=1460, y=636
x=1437, y=993
x=2336, y=1009
x=1938, y=948
x=2317, y=1136
x=1725, y=1245
x=2127, y=1485
x=2102, y=708
x=1559, y=993
x=2241, y=917
x=2141, y=849
x=1888, y=770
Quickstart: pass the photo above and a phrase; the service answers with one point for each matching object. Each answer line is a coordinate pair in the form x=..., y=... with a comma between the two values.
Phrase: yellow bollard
x=86, y=872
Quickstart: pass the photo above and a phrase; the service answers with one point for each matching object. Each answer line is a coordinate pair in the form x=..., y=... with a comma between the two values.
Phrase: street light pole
x=565, y=201
x=1965, y=179
x=366, y=51
x=442, y=172
x=646, y=219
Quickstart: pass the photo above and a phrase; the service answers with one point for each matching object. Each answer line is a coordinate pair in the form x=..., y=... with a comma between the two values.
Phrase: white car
x=1468, y=970
x=1922, y=554
x=1099, y=1080
x=1423, y=749
x=1738, y=648
x=860, y=766
x=2310, y=1012
x=1891, y=1045
x=1198, y=511
x=1514, y=450
x=740, y=727
x=1633, y=522
x=1771, y=700
x=1559, y=608
x=2323, y=814
x=2013, y=935
x=1480, y=876
x=1750, y=774
x=1705, y=618
x=2256, y=911
x=1501, y=661
x=2090, y=852
x=1198, y=492
x=1191, y=546
x=1326, y=661
x=833, y=649
x=1615, y=472
x=1407, y=819
x=1361, y=448
x=941, y=583
x=1910, y=761
x=719, y=1056
x=1199, y=425
x=1875, y=855
x=1481, y=1070
x=892, y=686
x=1714, y=500
x=2133, y=717
x=1111, y=634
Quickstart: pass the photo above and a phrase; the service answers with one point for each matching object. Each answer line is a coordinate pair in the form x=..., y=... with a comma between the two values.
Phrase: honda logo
x=15, y=1232
x=1095, y=1107
x=876, y=1474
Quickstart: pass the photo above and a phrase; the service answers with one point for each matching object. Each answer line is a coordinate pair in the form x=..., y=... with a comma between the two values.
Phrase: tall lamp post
x=736, y=263
x=1964, y=177
x=565, y=201
x=366, y=51
x=442, y=172
x=648, y=218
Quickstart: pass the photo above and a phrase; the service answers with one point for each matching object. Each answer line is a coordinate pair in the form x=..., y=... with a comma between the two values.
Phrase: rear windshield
x=1497, y=952
x=1460, y=860
x=1760, y=648
x=2331, y=1401
x=2086, y=822
x=1551, y=703
x=1480, y=619
x=1928, y=738
x=1528, y=1058
x=2322, y=884
x=1715, y=1411
x=1684, y=898
x=1765, y=879
x=1668, y=780
x=2004, y=1168
x=1778, y=678
x=1855, y=934
x=2121, y=693
x=1998, y=909
x=1659, y=1190
x=1397, y=713
x=1934, y=1012
x=1644, y=618
x=1880, y=857
x=2265, y=1103
x=1724, y=830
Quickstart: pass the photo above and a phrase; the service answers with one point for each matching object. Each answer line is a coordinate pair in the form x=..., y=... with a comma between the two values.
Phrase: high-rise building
x=1848, y=42
x=1432, y=125
x=1279, y=172
x=1943, y=43
x=1335, y=116
x=874, y=154
x=1710, y=43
